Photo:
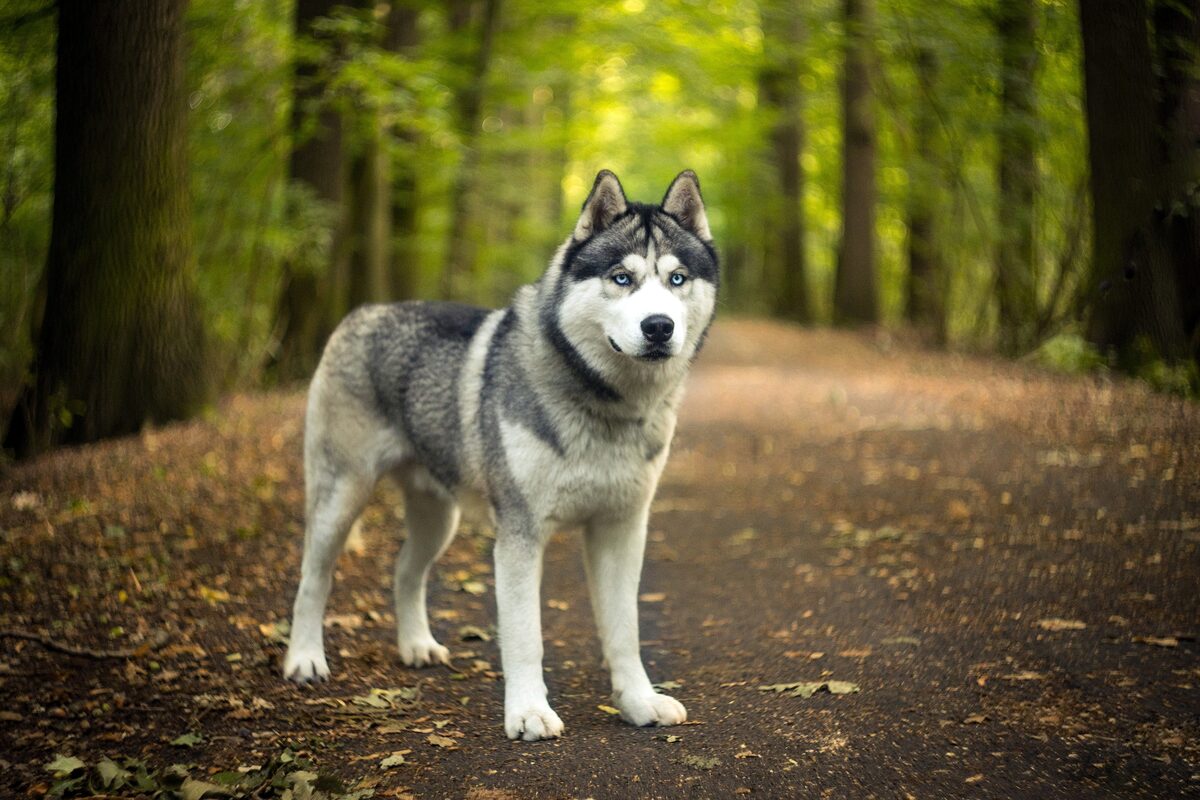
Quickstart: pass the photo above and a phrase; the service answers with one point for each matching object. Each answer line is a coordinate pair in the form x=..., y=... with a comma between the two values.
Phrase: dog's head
x=641, y=277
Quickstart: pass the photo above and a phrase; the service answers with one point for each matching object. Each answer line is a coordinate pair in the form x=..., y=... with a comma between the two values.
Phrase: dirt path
x=1006, y=565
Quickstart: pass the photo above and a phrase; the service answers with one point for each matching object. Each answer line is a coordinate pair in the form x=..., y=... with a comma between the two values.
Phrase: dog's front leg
x=527, y=713
x=614, y=549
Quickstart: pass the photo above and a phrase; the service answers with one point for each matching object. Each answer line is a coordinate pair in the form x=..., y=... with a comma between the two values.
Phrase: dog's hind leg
x=336, y=499
x=432, y=518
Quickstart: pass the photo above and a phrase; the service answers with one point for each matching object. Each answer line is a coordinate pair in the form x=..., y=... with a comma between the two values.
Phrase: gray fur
x=536, y=409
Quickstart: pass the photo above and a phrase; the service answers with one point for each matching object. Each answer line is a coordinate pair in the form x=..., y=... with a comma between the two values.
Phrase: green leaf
x=111, y=775
x=700, y=762
x=394, y=760
x=195, y=790
x=63, y=787
x=190, y=739
x=62, y=766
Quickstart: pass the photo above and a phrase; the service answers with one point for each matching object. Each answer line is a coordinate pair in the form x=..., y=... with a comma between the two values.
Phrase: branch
x=53, y=644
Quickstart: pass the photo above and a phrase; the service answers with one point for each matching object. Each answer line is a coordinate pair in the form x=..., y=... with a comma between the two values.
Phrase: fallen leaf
x=1059, y=624
x=902, y=640
x=652, y=597
x=1024, y=675
x=976, y=719
x=700, y=762
x=347, y=622
x=111, y=775
x=213, y=596
x=958, y=511
x=187, y=740
x=974, y=778
x=809, y=688
x=385, y=698
x=24, y=501
x=195, y=790
x=608, y=709
x=62, y=766
x=473, y=632
x=441, y=741
x=394, y=760
x=667, y=686
x=1157, y=641
x=856, y=653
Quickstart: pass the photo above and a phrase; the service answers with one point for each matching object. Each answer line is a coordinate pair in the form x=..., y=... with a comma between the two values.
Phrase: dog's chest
x=604, y=473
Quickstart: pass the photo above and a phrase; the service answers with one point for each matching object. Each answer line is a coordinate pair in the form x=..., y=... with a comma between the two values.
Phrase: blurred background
x=192, y=194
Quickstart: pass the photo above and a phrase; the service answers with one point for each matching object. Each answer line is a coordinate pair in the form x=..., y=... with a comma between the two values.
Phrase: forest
x=194, y=193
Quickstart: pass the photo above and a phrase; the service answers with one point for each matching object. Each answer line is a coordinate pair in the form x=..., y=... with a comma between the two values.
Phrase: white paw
x=532, y=722
x=651, y=708
x=305, y=665
x=423, y=652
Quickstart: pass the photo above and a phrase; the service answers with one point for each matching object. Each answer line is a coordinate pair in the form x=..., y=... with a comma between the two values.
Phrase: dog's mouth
x=658, y=353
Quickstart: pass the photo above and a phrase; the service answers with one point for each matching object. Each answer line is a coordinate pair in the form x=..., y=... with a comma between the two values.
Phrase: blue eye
x=678, y=279
x=622, y=279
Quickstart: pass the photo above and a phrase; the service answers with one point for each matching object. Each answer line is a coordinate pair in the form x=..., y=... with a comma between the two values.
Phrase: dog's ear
x=684, y=203
x=605, y=203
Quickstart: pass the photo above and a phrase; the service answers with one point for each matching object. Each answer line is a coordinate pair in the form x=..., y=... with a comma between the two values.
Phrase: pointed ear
x=603, y=205
x=684, y=203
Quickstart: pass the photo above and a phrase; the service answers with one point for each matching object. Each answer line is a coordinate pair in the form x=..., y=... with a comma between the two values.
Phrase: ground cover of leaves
x=872, y=571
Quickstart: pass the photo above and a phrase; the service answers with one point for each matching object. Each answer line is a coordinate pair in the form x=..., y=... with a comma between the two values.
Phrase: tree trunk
x=1177, y=45
x=370, y=220
x=779, y=88
x=402, y=37
x=1137, y=310
x=854, y=299
x=1016, y=264
x=312, y=299
x=122, y=338
x=924, y=306
x=460, y=252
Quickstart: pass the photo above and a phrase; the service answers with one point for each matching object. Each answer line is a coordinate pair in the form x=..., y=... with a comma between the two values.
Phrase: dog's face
x=642, y=279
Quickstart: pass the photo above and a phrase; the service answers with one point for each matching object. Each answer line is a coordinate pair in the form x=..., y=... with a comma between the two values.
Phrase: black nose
x=657, y=328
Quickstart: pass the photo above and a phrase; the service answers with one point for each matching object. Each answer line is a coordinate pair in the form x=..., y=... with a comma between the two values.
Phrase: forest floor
x=1003, y=562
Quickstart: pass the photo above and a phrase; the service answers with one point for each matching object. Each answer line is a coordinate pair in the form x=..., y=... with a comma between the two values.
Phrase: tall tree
x=310, y=299
x=779, y=89
x=370, y=217
x=122, y=339
x=460, y=256
x=1144, y=178
x=369, y=223
x=402, y=36
x=855, y=298
x=924, y=306
x=1016, y=264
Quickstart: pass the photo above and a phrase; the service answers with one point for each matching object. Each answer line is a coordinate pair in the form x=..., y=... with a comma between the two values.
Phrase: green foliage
x=26, y=178
x=1163, y=375
x=1069, y=353
x=643, y=88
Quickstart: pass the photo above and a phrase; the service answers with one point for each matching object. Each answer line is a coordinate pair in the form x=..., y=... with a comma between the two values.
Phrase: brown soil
x=1005, y=562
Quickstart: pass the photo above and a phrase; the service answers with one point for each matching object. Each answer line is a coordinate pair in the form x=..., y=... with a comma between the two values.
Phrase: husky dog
x=558, y=410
